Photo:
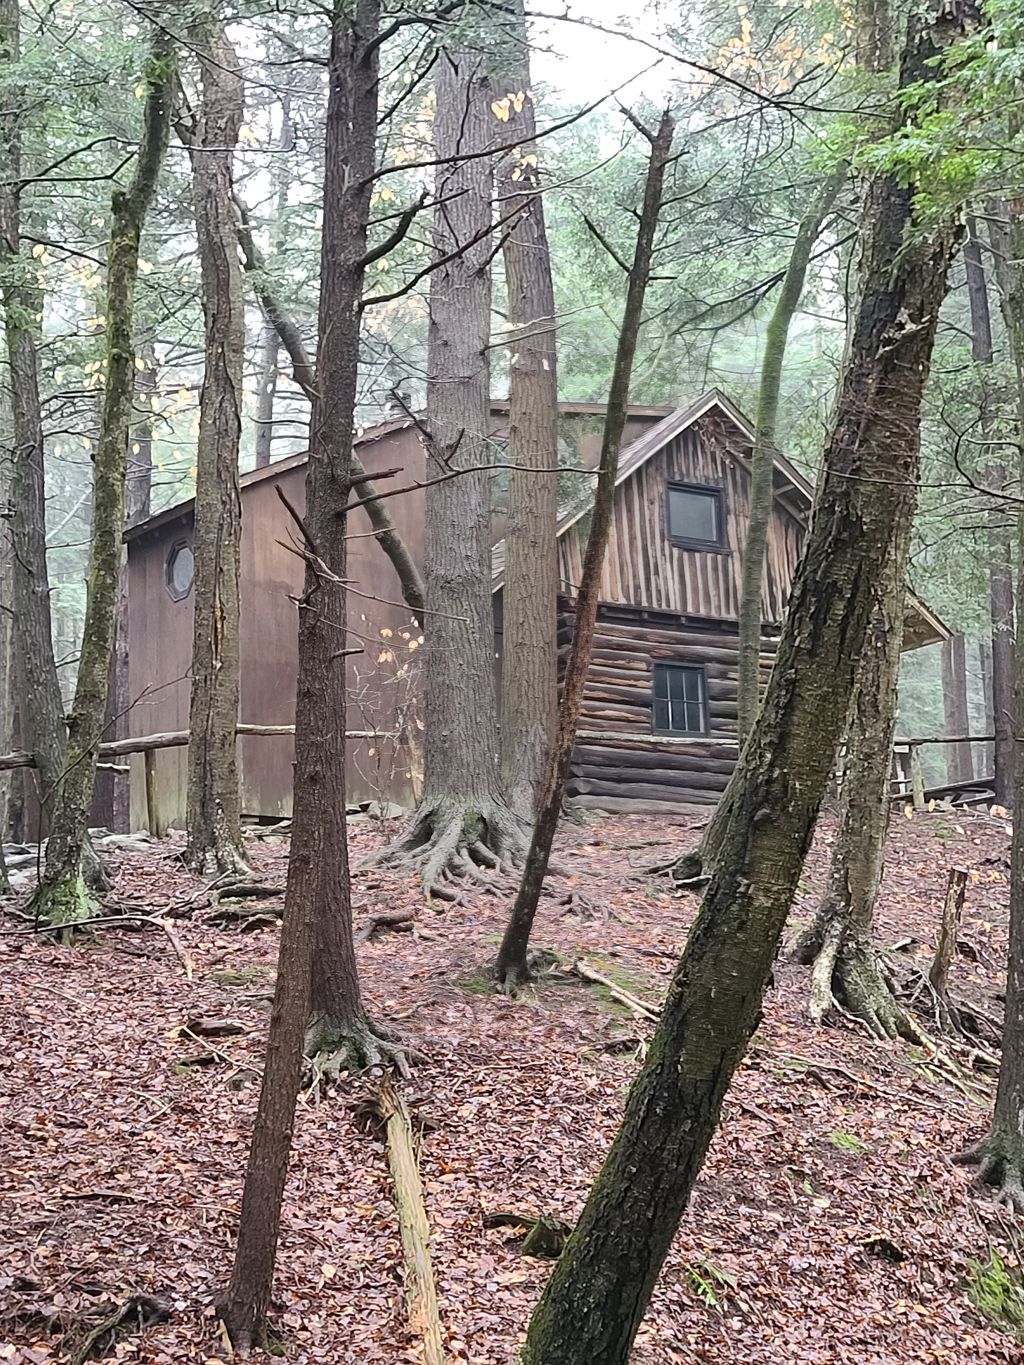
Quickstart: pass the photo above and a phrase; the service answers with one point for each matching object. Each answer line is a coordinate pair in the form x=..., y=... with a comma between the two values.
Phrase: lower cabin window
x=680, y=700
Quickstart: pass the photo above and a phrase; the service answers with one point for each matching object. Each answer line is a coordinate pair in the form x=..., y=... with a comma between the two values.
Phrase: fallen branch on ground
x=583, y=969
x=76, y=924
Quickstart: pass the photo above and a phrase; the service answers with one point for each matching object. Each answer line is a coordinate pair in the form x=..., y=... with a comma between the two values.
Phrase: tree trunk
x=597, y=1294
x=42, y=707
x=461, y=818
x=529, y=673
x=270, y=342
x=839, y=941
x=7, y=693
x=62, y=896
x=317, y=999
x=512, y=965
x=1000, y=554
x=762, y=458
x=214, y=803
x=954, y=706
x=1000, y=1154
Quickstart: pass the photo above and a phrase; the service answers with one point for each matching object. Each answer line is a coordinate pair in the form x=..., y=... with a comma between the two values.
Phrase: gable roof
x=791, y=488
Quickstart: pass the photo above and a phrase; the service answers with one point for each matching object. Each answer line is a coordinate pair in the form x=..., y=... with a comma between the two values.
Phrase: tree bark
x=512, y=964
x=7, y=692
x=270, y=342
x=529, y=672
x=595, y=1299
x=1000, y=553
x=42, y=707
x=461, y=818
x=214, y=803
x=1000, y=1154
x=839, y=941
x=62, y=896
x=959, y=766
x=317, y=1000
x=762, y=458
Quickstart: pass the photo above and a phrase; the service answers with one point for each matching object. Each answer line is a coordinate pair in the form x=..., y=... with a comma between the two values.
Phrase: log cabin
x=659, y=722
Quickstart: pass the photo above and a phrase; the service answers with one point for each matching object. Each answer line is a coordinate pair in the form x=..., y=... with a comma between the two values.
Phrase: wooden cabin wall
x=618, y=763
x=643, y=568
x=160, y=642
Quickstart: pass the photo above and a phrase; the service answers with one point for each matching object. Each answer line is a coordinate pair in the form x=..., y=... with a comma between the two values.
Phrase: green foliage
x=711, y=1284
x=846, y=1142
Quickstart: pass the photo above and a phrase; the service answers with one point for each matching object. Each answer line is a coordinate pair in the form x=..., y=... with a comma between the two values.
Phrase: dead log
x=949, y=930
x=633, y=1002
x=420, y=1289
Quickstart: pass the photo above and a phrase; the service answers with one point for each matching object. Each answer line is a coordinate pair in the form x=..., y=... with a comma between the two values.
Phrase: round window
x=181, y=569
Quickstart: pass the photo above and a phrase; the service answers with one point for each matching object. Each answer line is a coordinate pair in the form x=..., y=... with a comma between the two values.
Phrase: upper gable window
x=694, y=516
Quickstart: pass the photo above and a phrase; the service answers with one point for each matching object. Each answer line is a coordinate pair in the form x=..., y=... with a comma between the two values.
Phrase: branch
x=397, y=235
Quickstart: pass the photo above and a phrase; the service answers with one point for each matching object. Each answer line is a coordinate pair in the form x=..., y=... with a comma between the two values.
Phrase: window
x=680, y=700
x=694, y=516
x=181, y=569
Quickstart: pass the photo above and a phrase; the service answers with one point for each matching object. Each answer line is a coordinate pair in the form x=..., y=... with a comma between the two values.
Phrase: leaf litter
x=829, y=1224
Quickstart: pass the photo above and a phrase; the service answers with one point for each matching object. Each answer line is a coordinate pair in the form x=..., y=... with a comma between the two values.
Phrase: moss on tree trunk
x=62, y=895
x=214, y=806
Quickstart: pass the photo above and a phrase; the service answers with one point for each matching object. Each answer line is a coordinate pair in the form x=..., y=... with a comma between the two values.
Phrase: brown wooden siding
x=643, y=568
x=617, y=758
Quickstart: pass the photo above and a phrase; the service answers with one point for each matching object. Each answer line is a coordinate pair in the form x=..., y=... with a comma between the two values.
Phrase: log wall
x=618, y=763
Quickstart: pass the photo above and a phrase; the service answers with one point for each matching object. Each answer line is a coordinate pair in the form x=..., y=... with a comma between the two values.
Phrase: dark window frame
x=697, y=670
x=182, y=543
x=705, y=489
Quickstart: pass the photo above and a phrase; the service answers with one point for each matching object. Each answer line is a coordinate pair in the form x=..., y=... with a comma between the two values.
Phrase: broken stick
x=420, y=1289
x=945, y=949
x=624, y=997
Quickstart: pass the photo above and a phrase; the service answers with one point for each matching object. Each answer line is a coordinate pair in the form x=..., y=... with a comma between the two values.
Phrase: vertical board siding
x=643, y=568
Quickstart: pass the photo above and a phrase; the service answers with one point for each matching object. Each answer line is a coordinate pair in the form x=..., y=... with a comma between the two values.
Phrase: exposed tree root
x=61, y=905
x=217, y=858
x=453, y=844
x=332, y=1049
x=1000, y=1162
x=687, y=871
x=848, y=976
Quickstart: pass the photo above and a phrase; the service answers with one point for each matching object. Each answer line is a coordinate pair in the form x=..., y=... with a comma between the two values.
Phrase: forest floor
x=829, y=1224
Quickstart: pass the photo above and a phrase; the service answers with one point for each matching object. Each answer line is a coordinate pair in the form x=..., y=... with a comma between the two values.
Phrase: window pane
x=693, y=515
x=679, y=701
x=661, y=720
x=182, y=569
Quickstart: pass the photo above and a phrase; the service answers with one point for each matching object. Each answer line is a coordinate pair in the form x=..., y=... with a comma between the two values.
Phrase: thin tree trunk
x=1000, y=1154
x=317, y=982
x=6, y=645
x=461, y=818
x=599, y=1289
x=387, y=534
x=529, y=673
x=762, y=459
x=62, y=896
x=512, y=964
x=42, y=707
x=270, y=342
x=954, y=707
x=839, y=941
x=1000, y=553
x=214, y=803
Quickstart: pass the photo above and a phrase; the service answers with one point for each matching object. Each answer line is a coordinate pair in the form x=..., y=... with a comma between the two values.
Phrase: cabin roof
x=921, y=627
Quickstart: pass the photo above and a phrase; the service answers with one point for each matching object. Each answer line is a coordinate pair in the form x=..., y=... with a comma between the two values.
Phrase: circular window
x=181, y=569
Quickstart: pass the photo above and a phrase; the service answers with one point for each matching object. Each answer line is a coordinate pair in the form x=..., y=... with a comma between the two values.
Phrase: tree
x=529, y=690
x=462, y=820
x=61, y=896
x=999, y=1156
x=214, y=805
x=954, y=707
x=42, y=705
x=270, y=342
x=512, y=966
x=762, y=457
x=1000, y=557
x=595, y=1298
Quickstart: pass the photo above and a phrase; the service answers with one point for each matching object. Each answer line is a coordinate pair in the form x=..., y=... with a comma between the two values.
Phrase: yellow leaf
x=385, y=656
x=145, y=267
x=414, y=644
x=517, y=174
x=38, y=250
x=386, y=632
x=500, y=110
x=140, y=90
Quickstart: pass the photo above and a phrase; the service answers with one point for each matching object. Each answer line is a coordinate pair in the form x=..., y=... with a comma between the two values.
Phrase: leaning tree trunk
x=597, y=1294
x=839, y=941
x=959, y=766
x=317, y=1000
x=214, y=805
x=41, y=705
x=62, y=896
x=529, y=671
x=762, y=459
x=1000, y=553
x=1000, y=1154
x=512, y=965
x=461, y=820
